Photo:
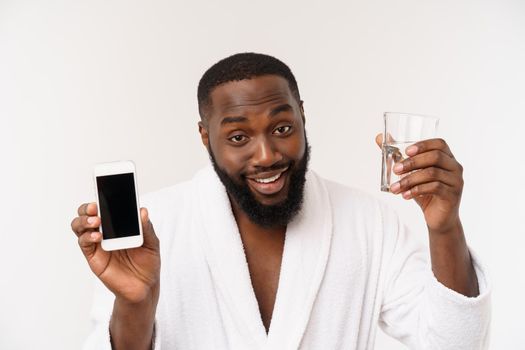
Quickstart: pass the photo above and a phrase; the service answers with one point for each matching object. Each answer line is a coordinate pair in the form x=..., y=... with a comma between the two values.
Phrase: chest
x=264, y=264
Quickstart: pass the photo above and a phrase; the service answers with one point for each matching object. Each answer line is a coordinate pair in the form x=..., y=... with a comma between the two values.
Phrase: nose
x=265, y=154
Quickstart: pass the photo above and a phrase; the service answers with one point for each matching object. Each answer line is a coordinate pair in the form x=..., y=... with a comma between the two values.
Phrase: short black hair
x=242, y=66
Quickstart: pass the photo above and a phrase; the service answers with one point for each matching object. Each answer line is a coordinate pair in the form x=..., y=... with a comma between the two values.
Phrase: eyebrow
x=282, y=108
x=239, y=119
x=228, y=120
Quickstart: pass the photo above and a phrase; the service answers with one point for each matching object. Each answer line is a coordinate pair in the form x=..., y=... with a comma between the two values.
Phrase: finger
x=75, y=226
x=427, y=175
x=436, y=188
x=85, y=223
x=88, y=242
x=434, y=158
x=429, y=145
x=89, y=209
x=150, y=238
x=379, y=139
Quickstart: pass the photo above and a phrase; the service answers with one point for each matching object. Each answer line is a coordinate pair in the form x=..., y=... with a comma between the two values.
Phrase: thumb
x=150, y=238
x=379, y=140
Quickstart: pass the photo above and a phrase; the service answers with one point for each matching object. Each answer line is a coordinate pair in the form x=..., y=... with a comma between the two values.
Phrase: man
x=261, y=253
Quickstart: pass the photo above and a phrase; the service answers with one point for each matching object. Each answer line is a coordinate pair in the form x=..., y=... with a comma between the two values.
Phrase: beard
x=263, y=215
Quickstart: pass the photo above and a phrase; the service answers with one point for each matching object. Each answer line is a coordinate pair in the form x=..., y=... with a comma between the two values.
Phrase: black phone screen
x=118, y=206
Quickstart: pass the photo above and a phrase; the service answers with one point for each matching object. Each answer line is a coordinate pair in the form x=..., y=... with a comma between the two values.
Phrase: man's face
x=256, y=140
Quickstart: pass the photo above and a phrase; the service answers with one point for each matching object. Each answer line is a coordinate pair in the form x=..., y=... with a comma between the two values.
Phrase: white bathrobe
x=348, y=266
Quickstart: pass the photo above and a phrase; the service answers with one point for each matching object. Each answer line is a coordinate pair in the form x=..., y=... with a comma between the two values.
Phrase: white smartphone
x=118, y=205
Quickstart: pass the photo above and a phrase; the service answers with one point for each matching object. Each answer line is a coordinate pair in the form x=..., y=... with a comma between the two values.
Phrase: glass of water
x=402, y=130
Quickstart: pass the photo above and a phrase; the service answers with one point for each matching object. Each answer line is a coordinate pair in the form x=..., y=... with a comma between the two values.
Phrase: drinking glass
x=402, y=130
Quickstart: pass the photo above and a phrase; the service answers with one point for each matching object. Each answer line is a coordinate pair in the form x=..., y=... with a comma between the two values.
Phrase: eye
x=282, y=129
x=237, y=138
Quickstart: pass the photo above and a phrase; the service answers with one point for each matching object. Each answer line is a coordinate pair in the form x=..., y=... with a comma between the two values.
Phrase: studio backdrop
x=83, y=82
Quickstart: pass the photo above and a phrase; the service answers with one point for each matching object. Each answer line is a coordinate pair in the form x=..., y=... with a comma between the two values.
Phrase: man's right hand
x=133, y=275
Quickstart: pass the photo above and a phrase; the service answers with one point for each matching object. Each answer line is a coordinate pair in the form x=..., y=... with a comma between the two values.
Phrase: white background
x=93, y=81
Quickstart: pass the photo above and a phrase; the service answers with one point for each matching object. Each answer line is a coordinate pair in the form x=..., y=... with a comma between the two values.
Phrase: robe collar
x=305, y=255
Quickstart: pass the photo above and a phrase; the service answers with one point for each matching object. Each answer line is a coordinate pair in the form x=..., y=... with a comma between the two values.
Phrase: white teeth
x=268, y=180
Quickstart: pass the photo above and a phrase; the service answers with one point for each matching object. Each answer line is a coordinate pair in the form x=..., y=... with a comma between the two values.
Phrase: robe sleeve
x=421, y=312
x=99, y=338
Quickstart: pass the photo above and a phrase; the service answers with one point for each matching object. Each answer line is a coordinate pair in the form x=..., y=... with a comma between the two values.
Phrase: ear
x=204, y=134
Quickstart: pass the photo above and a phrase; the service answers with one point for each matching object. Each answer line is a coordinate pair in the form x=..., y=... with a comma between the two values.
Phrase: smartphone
x=118, y=205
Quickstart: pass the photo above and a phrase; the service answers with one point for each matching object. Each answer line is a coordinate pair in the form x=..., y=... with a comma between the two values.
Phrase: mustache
x=274, y=167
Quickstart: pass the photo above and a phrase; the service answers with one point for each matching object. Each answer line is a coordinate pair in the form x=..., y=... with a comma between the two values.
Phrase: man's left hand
x=434, y=179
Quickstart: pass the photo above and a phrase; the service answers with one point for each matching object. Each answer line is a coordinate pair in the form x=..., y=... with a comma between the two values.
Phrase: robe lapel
x=226, y=259
x=305, y=256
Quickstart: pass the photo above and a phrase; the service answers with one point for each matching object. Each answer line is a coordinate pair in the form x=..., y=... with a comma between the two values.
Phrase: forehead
x=235, y=95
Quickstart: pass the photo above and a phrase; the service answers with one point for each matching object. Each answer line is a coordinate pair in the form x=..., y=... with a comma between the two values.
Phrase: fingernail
x=407, y=194
x=395, y=187
x=411, y=150
x=398, y=167
x=94, y=235
x=91, y=220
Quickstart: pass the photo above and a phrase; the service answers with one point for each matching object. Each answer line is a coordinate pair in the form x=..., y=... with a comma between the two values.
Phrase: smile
x=270, y=179
x=268, y=184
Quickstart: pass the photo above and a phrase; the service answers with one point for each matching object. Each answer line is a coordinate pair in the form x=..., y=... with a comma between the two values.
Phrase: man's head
x=240, y=67
x=252, y=123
